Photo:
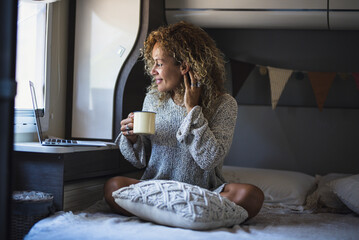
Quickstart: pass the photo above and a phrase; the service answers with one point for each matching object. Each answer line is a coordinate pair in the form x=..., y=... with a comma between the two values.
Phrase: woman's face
x=168, y=75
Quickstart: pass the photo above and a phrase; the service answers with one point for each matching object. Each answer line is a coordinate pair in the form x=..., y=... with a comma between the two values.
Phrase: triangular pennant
x=240, y=73
x=356, y=78
x=278, y=79
x=321, y=83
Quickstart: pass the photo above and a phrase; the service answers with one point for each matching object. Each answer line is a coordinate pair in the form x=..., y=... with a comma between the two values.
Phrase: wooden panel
x=80, y=194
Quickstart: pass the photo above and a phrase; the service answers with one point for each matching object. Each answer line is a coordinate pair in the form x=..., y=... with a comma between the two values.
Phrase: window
x=31, y=51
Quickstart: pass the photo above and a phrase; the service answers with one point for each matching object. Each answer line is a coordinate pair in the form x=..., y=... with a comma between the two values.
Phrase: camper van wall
x=105, y=32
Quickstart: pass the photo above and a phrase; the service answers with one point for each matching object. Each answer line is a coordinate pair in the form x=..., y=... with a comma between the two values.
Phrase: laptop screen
x=36, y=111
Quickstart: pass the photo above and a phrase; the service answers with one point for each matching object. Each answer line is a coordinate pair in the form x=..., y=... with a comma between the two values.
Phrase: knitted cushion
x=179, y=204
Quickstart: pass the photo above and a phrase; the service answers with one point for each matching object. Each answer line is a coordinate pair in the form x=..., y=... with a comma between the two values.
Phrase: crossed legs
x=246, y=195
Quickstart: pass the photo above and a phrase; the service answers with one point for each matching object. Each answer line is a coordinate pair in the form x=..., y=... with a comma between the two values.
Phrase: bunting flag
x=278, y=79
x=240, y=73
x=356, y=78
x=321, y=83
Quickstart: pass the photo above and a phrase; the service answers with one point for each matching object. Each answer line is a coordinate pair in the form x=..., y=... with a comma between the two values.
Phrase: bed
x=297, y=206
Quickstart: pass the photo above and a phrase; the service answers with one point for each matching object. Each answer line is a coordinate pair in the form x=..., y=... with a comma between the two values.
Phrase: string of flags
x=278, y=77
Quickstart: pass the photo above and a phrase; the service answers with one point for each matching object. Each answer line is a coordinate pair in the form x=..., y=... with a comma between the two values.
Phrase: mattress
x=98, y=222
x=290, y=211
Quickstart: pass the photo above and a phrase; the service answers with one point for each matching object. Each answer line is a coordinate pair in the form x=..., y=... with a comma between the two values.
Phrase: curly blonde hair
x=189, y=44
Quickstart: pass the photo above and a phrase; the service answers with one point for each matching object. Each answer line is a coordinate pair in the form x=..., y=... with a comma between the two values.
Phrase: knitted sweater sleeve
x=209, y=142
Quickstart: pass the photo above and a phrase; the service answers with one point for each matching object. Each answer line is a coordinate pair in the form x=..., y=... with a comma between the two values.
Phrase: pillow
x=278, y=186
x=347, y=189
x=325, y=195
x=178, y=204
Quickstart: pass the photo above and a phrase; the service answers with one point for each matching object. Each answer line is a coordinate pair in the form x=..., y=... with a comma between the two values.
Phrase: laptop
x=56, y=141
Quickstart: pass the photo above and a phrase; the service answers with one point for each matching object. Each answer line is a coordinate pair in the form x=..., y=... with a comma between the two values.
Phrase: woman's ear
x=185, y=68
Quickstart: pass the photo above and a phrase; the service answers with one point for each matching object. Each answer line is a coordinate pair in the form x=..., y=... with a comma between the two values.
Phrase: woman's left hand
x=193, y=91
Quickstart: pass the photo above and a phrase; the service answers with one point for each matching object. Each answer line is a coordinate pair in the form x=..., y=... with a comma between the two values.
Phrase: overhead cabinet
x=266, y=14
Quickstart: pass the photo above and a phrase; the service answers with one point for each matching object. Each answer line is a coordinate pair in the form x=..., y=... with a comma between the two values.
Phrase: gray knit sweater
x=186, y=147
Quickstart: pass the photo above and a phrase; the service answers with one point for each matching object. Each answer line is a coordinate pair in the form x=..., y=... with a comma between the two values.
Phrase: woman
x=195, y=118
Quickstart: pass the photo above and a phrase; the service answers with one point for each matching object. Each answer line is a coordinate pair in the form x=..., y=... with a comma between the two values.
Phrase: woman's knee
x=118, y=182
x=114, y=184
x=247, y=196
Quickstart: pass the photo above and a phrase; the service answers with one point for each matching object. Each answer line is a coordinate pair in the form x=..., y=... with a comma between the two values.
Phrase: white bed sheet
x=98, y=222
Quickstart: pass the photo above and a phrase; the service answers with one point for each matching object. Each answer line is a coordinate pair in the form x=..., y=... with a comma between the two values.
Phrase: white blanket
x=98, y=222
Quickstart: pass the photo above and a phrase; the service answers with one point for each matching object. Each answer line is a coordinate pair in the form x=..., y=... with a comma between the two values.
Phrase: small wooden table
x=47, y=168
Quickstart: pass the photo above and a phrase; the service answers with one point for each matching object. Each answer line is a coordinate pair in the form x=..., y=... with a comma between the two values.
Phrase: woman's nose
x=153, y=70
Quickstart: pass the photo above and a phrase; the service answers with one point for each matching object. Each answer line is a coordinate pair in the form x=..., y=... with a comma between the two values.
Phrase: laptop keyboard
x=55, y=141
